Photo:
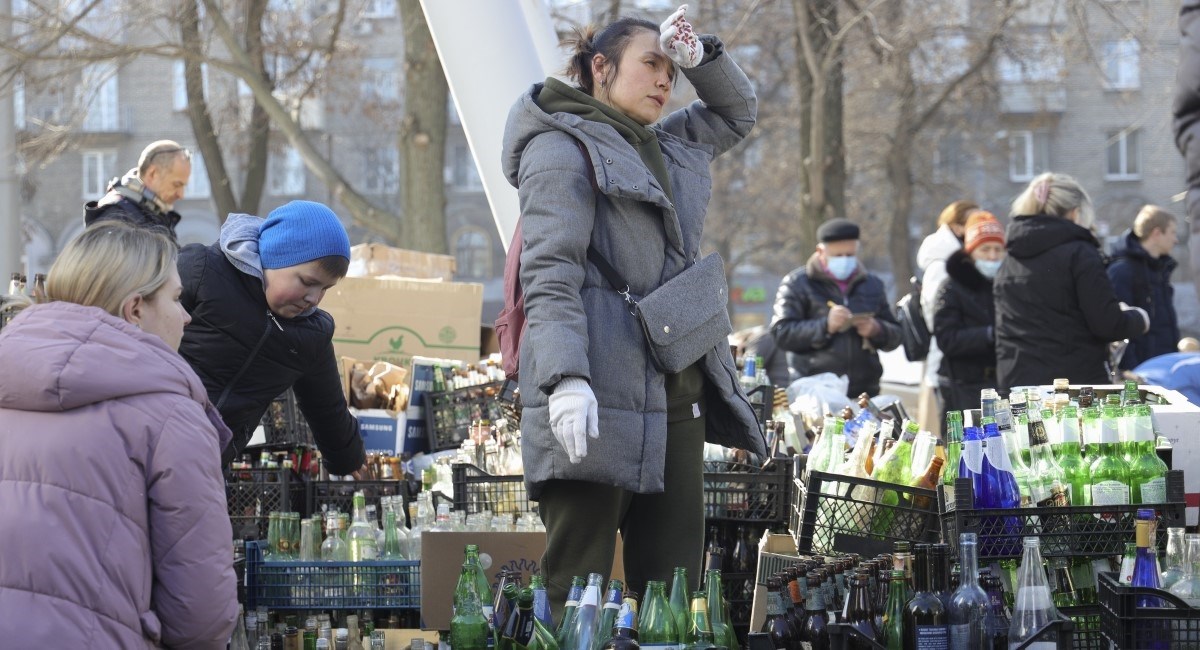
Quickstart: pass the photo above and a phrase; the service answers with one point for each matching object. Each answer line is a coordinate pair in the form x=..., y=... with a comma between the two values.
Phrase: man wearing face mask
x=965, y=316
x=831, y=315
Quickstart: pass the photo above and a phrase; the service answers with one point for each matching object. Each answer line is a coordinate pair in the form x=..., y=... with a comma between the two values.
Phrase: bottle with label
x=1109, y=473
x=797, y=576
x=469, y=626
x=1016, y=442
x=954, y=443
x=1128, y=560
x=1070, y=458
x=587, y=616
x=625, y=630
x=504, y=612
x=656, y=621
x=1176, y=565
x=699, y=635
x=816, y=619
x=996, y=621
x=1033, y=606
x=969, y=603
x=1047, y=481
x=748, y=381
x=569, y=609
x=541, y=601
x=926, y=622
x=608, y=614
x=971, y=464
x=891, y=635
x=679, y=602
x=1147, y=472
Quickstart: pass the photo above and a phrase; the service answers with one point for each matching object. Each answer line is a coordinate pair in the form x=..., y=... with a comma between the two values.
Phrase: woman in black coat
x=965, y=315
x=1056, y=311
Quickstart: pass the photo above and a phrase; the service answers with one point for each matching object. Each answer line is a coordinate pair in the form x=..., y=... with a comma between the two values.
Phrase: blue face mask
x=842, y=267
x=988, y=268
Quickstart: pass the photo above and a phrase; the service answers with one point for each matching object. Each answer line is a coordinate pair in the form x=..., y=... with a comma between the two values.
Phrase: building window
x=1028, y=155
x=461, y=173
x=1124, y=155
x=473, y=253
x=381, y=170
x=1119, y=64
x=287, y=173
x=948, y=159
x=180, y=84
x=99, y=167
x=102, y=104
x=198, y=186
x=380, y=9
x=1041, y=61
x=940, y=59
x=379, y=79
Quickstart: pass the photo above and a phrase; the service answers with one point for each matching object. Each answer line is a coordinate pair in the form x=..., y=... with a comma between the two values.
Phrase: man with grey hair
x=145, y=196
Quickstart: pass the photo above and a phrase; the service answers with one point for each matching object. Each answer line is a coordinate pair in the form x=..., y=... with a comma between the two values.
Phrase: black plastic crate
x=253, y=494
x=1086, y=619
x=475, y=491
x=1068, y=532
x=449, y=414
x=842, y=637
x=377, y=584
x=283, y=423
x=842, y=514
x=734, y=491
x=339, y=495
x=1130, y=626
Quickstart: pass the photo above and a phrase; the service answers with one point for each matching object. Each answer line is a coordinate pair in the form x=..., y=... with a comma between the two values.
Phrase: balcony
x=1032, y=98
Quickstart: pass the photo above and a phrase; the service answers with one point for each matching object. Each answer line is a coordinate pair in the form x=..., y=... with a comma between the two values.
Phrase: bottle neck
x=970, y=564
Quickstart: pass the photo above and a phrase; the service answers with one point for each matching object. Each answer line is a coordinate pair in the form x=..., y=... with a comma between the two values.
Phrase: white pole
x=492, y=51
x=11, y=239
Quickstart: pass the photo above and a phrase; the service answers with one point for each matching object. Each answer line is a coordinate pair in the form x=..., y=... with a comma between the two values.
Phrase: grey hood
x=239, y=242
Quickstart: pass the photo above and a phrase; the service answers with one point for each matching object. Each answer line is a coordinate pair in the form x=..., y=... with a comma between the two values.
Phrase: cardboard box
x=402, y=639
x=442, y=558
x=392, y=320
x=375, y=260
x=382, y=430
x=775, y=552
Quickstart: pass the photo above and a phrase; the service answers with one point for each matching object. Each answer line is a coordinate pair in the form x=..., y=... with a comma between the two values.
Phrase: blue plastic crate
x=292, y=584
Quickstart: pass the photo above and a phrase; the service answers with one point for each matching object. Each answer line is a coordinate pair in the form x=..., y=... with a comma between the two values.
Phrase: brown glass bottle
x=818, y=619
x=776, y=623
x=860, y=613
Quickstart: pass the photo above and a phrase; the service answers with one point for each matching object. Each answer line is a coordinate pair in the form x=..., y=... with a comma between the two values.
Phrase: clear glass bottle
x=1033, y=606
x=361, y=536
x=996, y=621
x=587, y=616
x=1188, y=586
x=333, y=549
x=1177, y=562
x=969, y=603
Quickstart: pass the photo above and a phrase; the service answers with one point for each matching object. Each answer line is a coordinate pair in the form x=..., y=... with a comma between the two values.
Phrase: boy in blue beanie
x=256, y=330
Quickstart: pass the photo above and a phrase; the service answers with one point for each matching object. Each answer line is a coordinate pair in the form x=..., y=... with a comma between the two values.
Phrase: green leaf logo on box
x=396, y=343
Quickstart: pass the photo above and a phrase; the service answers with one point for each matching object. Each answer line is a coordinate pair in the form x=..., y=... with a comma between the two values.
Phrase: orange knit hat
x=983, y=227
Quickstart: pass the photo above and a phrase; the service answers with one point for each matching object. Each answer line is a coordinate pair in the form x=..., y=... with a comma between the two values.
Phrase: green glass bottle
x=891, y=635
x=1070, y=458
x=699, y=634
x=722, y=629
x=954, y=436
x=530, y=633
x=1062, y=583
x=483, y=586
x=505, y=623
x=608, y=614
x=894, y=467
x=568, y=619
x=1091, y=433
x=679, y=601
x=391, y=541
x=1147, y=472
x=469, y=627
x=1047, y=481
x=1109, y=479
x=656, y=621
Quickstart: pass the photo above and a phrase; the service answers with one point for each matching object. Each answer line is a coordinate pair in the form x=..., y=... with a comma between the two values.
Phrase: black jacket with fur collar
x=963, y=324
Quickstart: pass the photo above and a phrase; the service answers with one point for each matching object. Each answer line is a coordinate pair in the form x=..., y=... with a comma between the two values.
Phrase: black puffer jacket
x=247, y=357
x=963, y=324
x=144, y=214
x=1055, y=308
x=799, y=326
x=1145, y=281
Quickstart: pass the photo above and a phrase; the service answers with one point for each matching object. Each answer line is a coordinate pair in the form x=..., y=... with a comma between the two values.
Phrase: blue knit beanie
x=299, y=232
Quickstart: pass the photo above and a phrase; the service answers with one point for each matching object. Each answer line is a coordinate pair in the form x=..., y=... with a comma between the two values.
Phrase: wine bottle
x=926, y=621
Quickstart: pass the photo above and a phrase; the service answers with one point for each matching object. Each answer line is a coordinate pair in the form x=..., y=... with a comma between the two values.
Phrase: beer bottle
x=1047, y=481
x=1075, y=470
x=816, y=620
x=656, y=621
x=608, y=615
x=572, y=604
x=469, y=626
x=859, y=613
x=541, y=603
x=679, y=601
x=718, y=611
x=891, y=635
x=699, y=635
x=1109, y=477
x=506, y=614
x=925, y=618
x=1147, y=472
x=625, y=631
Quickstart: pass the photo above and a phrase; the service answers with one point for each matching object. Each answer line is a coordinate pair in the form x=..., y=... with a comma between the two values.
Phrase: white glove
x=573, y=416
x=1140, y=311
x=677, y=39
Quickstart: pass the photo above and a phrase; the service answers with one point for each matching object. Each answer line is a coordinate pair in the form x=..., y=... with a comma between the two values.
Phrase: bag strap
x=614, y=278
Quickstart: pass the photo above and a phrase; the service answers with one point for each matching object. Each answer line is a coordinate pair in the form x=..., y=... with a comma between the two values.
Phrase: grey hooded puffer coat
x=578, y=325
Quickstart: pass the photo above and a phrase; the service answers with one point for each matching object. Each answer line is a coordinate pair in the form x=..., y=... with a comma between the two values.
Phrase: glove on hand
x=573, y=416
x=677, y=39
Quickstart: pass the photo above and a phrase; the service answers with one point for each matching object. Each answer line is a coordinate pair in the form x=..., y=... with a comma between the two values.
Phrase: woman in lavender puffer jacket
x=113, y=525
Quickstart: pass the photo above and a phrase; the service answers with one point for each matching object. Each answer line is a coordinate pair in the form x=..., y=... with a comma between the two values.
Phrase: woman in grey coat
x=611, y=443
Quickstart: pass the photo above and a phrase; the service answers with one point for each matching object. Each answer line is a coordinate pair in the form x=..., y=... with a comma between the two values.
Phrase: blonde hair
x=956, y=213
x=1055, y=195
x=1151, y=217
x=110, y=262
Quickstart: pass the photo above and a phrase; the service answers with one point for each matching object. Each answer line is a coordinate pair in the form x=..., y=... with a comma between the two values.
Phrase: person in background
x=1056, y=311
x=1140, y=272
x=931, y=263
x=757, y=342
x=113, y=522
x=611, y=443
x=832, y=315
x=256, y=330
x=965, y=318
x=145, y=196
x=1186, y=121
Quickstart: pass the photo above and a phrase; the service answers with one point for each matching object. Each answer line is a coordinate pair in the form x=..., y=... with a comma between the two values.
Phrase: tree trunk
x=197, y=110
x=822, y=148
x=899, y=166
x=422, y=137
x=257, y=156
